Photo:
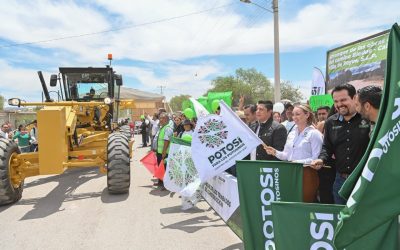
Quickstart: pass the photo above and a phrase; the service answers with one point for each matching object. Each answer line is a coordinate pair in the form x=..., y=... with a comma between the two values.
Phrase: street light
x=277, y=77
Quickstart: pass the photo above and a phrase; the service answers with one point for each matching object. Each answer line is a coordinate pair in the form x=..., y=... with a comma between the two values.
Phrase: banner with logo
x=317, y=83
x=219, y=140
x=221, y=192
x=199, y=109
x=312, y=226
x=181, y=175
x=374, y=184
x=260, y=183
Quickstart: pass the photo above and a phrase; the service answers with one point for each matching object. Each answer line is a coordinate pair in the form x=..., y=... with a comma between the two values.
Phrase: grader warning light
x=79, y=131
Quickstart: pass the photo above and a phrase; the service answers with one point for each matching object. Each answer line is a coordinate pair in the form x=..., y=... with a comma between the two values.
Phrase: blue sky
x=182, y=54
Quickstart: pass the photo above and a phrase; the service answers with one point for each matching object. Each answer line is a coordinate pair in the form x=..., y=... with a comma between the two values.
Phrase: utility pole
x=161, y=88
x=277, y=76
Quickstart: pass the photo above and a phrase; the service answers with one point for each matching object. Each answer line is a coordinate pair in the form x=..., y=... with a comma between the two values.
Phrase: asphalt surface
x=75, y=211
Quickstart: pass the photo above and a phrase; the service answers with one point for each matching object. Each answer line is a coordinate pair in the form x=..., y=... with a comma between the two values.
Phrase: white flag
x=318, y=83
x=181, y=175
x=219, y=140
x=200, y=110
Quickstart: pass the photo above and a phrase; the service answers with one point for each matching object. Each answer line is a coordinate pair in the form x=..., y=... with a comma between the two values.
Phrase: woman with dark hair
x=304, y=142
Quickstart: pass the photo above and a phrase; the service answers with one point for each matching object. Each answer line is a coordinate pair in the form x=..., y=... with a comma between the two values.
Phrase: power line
x=117, y=29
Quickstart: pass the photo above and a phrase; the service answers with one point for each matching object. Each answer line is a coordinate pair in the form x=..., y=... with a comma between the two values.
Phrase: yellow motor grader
x=80, y=130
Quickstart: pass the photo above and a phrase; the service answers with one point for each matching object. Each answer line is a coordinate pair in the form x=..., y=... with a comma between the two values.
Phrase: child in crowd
x=23, y=138
x=188, y=128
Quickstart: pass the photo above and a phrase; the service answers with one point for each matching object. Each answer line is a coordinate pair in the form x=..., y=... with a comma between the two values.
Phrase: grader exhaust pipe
x=45, y=90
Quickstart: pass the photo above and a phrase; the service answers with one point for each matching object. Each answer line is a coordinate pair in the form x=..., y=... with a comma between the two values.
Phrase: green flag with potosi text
x=374, y=184
x=260, y=183
x=312, y=226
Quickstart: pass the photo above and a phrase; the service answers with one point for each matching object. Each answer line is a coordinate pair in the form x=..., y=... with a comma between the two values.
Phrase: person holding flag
x=304, y=143
x=346, y=138
x=269, y=131
x=163, y=139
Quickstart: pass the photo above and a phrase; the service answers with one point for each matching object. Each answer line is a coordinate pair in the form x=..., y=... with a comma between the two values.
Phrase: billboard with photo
x=360, y=63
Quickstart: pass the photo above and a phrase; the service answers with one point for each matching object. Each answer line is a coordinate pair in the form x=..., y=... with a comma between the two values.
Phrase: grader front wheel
x=11, y=185
x=118, y=164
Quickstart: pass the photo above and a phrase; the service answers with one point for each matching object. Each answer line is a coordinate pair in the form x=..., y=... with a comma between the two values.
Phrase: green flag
x=203, y=100
x=226, y=96
x=260, y=183
x=312, y=226
x=317, y=101
x=374, y=184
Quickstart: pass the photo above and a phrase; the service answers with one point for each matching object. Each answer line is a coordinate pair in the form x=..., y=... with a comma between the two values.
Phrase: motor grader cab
x=79, y=131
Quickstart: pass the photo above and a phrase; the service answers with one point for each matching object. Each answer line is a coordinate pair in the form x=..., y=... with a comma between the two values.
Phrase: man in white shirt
x=289, y=123
x=4, y=131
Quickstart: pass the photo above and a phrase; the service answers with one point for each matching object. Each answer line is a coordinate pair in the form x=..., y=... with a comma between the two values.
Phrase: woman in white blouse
x=304, y=142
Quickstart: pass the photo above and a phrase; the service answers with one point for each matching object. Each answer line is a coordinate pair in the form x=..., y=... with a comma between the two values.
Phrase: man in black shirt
x=269, y=131
x=345, y=139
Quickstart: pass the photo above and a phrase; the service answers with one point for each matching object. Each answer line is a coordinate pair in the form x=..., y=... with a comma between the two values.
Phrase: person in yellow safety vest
x=163, y=139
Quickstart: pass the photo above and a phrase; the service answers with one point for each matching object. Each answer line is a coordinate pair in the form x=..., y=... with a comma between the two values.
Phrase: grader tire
x=118, y=164
x=126, y=130
x=8, y=193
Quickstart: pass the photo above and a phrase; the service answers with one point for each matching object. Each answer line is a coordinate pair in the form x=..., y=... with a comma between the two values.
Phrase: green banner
x=373, y=188
x=312, y=226
x=361, y=53
x=360, y=63
x=226, y=96
x=260, y=183
x=317, y=101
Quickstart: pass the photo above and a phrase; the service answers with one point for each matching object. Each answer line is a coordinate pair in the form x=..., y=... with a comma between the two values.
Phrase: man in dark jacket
x=143, y=131
x=269, y=131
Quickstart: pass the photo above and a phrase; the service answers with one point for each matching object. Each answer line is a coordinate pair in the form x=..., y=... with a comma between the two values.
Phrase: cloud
x=219, y=32
x=20, y=82
x=176, y=78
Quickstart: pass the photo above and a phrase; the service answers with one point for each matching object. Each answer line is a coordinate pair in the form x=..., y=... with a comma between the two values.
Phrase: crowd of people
x=27, y=139
x=331, y=140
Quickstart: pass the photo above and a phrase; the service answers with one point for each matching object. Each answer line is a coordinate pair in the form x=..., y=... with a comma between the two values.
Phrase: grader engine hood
x=53, y=139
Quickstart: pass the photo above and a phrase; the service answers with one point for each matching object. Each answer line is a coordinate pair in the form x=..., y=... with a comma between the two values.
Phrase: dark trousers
x=325, y=189
x=337, y=185
x=159, y=159
x=144, y=139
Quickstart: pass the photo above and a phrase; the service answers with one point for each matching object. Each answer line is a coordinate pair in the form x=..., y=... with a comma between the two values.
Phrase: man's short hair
x=371, y=94
x=324, y=107
x=267, y=104
x=345, y=86
x=252, y=107
x=288, y=106
x=164, y=115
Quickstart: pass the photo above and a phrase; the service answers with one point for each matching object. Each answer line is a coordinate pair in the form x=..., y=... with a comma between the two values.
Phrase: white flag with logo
x=318, y=83
x=200, y=110
x=219, y=140
x=181, y=175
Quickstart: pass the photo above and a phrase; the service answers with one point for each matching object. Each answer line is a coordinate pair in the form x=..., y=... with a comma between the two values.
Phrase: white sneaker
x=186, y=204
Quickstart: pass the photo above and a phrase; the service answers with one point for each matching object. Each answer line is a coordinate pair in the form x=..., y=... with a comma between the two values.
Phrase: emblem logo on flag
x=213, y=133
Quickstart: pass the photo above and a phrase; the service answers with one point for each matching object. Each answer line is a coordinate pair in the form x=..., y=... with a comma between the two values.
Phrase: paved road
x=75, y=211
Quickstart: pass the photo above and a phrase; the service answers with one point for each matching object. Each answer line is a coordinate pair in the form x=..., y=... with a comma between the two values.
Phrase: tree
x=176, y=102
x=254, y=86
x=1, y=103
x=290, y=92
